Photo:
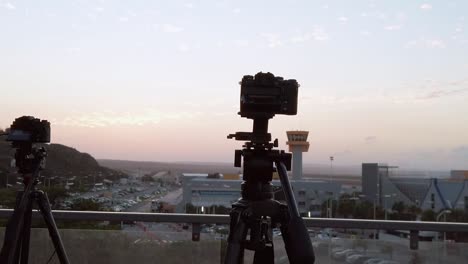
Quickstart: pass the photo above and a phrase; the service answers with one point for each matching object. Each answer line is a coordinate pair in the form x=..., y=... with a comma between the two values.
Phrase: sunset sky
x=381, y=81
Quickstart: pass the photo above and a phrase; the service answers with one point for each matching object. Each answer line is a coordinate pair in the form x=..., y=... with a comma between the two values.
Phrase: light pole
x=385, y=202
x=331, y=181
x=444, y=213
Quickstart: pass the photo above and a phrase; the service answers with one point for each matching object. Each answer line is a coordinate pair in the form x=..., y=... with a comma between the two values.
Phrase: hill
x=62, y=162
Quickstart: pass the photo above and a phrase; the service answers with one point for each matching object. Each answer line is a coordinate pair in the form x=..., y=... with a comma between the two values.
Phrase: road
x=145, y=206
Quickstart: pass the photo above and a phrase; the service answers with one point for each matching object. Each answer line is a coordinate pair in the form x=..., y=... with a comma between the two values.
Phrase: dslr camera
x=27, y=129
x=266, y=94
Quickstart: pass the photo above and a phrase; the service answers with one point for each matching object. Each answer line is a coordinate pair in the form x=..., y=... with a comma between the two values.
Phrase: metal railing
x=196, y=220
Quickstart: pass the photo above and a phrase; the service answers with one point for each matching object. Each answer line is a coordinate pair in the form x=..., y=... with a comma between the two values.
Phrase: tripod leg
x=13, y=230
x=44, y=206
x=25, y=235
x=237, y=235
x=267, y=253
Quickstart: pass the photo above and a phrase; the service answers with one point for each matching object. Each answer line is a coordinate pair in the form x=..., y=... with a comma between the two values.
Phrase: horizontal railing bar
x=386, y=224
x=129, y=216
x=224, y=219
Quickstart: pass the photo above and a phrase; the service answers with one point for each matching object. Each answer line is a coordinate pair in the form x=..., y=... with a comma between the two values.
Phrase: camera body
x=266, y=94
x=28, y=129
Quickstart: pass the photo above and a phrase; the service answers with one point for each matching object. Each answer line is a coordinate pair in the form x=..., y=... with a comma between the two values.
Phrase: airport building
x=202, y=189
x=381, y=187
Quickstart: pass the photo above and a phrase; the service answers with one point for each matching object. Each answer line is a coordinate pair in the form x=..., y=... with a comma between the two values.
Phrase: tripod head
x=23, y=134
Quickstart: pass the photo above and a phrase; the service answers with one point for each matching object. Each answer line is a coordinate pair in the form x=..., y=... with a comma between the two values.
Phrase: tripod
x=256, y=211
x=15, y=248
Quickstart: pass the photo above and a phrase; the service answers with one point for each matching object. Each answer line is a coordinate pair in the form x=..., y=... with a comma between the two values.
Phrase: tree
x=325, y=206
x=428, y=215
x=147, y=178
x=414, y=210
x=364, y=210
x=399, y=207
x=457, y=215
x=86, y=205
x=346, y=206
x=7, y=198
x=55, y=193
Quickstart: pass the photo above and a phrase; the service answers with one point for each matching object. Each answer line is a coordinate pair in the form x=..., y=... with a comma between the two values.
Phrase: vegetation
x=86, y=205
x=7, y=198
x=55, y=193
x=428, y=215
x=147, y=178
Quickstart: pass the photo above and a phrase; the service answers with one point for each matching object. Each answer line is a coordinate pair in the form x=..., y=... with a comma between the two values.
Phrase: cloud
x=73, y=50
x=461, y=151
x=376, y=15
x=428, y=90
x=236, y=10
x=183, y=47
x=110, y=118
x=318, y=33
x=392, y=27
x=343, y=19
x=9, y=6
x=123, y=19
x=370, y=139
x=426, y=6
x=241, y=43
x=442, y=93
x=272, y=39
x=169, y=28
x=342, y=153
x=435, y=43
x=189, y=5
x=432, y=89
x=364, y=33
x=427, y=43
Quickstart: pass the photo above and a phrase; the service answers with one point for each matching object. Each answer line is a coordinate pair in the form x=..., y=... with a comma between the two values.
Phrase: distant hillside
x=175, y=167
x=61, y=161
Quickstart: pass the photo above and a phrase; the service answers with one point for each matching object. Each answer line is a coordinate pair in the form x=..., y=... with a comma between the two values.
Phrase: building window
x=302, y=193
x=315, y=207
x=301, y=203
x=466, y=203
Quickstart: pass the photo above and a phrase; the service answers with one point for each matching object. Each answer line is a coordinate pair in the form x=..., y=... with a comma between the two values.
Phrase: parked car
x=341, y=255
x=357, y=259
x=373, y=261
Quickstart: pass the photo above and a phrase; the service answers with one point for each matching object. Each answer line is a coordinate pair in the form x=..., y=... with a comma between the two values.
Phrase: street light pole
x=331, y=181
x=444, y=213
x=385, y=202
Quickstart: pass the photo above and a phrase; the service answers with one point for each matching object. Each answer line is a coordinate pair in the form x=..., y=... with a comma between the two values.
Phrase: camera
x=266, y=94
x=29, y=129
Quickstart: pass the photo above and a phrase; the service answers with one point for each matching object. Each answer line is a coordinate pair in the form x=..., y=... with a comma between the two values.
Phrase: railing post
x=414, y=239
x=196, y=228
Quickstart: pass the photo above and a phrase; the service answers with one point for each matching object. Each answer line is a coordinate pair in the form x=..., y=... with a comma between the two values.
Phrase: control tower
x=297, y=141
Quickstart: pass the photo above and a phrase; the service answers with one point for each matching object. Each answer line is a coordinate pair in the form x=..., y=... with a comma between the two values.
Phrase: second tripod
x=30, y=161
